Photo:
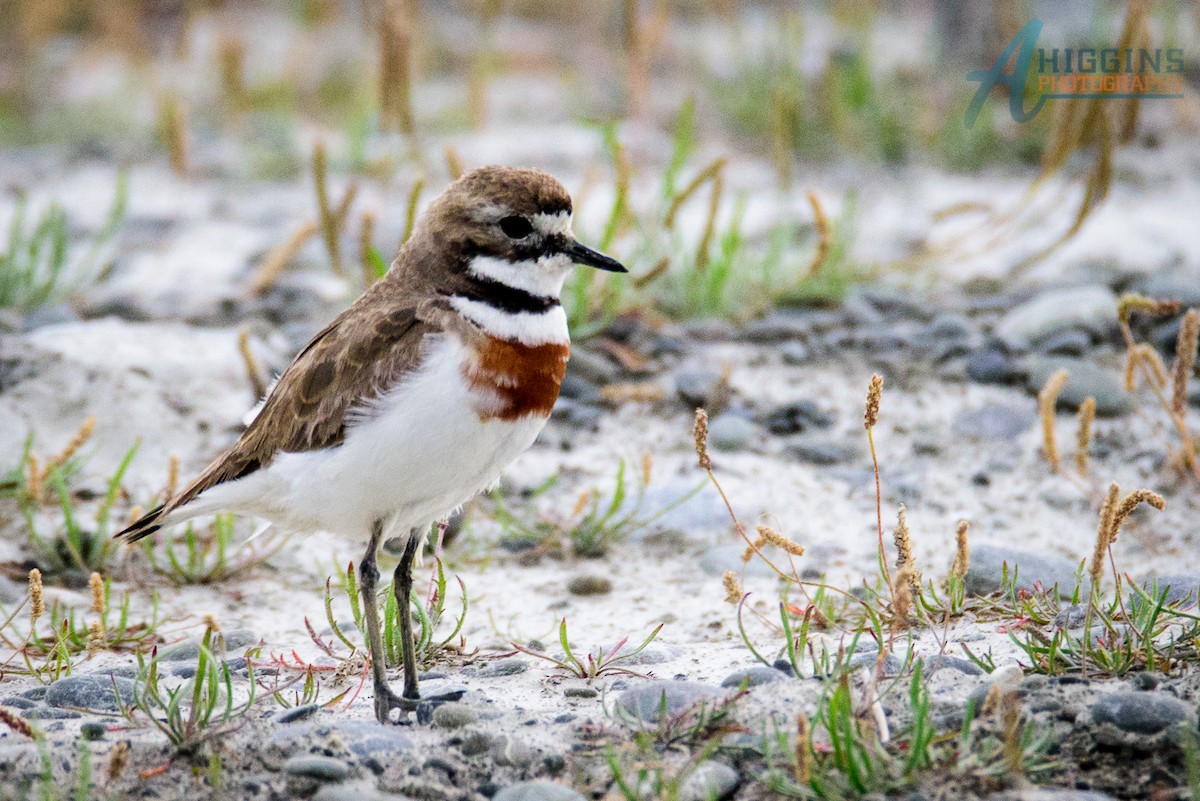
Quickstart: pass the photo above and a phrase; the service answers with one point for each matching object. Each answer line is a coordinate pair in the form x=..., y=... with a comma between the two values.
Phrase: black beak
x=585, y=255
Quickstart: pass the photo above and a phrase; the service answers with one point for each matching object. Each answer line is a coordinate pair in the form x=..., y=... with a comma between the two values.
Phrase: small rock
x=710, y=781
x=1071, y=342
x=929, y=666
x=821, y=450
x=1140, y=713
x=793, y=418
x=233, y=641
x=701, y=387
x=892, y=666
x=581, y=692
x=93, y=730
x=589, y=585
x=779, y=326
x=645, y=702
x=1084, y=380
x=298, y=713
x=1181, y=590
x=794, y=353
x=753, y=676
x=50, y=713
x=324, y=769
x=1071, y=617
x=996, y=422
x=17, y=702
x=988, y=563
x=92, y=692
x=453, y=716
x=993, y=365
x=354, y=791
x=1089, y=308
x=503, y=667
x=537, y=791
x=731, y=432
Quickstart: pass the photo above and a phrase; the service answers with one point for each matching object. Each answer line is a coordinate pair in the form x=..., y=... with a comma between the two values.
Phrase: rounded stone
x=589, y=585
x=730, y=432
x=647, y=702
x=1140, y=712
x=92, y=692
x=753, y=676
x=1088, y=308
x=989, y=564
x=995, y=422
x=710, y=780
x=320, y=768
x=453, y=716
x=992, y=365
x=537, y=791
x=1084, y=379
x=503, y=667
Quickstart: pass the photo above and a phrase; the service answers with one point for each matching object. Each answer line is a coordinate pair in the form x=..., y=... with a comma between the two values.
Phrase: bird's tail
x=144, y=526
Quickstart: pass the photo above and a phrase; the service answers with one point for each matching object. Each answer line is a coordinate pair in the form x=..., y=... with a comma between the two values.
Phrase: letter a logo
x=1026, y=38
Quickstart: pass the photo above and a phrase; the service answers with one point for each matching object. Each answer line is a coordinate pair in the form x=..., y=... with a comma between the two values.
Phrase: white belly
x=419, y=453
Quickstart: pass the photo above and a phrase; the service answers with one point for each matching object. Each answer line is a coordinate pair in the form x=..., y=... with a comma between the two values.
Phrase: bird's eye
x=516, y=227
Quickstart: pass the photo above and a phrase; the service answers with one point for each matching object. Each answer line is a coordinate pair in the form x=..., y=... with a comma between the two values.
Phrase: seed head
x=874, y=392
x=1108, y=512
x=1185, y=359
x=96, y=584
x=769, y=535
x=733, y=591
x=37, y=604
x=1157, y=308
x=96, y=639
x=118, y=758
x=1129, y=503
x=1047, y=400
x=16, y=723
x=962, y=550
x=1083, y=435
x=700, y=434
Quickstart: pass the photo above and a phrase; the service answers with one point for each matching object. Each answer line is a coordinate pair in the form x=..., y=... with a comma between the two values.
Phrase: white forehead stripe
x=552, y=224
x=528, y=328
x=541, y=277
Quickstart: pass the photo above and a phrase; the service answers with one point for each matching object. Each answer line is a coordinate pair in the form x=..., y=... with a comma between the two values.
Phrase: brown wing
x=352, y=361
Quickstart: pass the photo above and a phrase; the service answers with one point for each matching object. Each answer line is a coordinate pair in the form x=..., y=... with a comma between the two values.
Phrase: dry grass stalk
x=581, y=504
x=733, y=591
x=1083, y=434
x=410, y=209
x=174, y=132
x=118, y=759
x=1047, y=401
x=962, y=550
x=874, y=394
x=803, y=749
x=1108, y=513
x=135, y=514
x=700, y=435
x=35, y=484
x=782, y=114
x=772, y=537
x=96, y=586
x=824, y=235
x=633, y=392
x=902, y=596
x=96, y=639
x=1131, y=502
x=706, y=239
x=278, y=258
x=82, y=435
x=647, y=468
x=1185, y=360
x=397, y=19
x=253, y=375
x=172, y=476
x=1149, y=356
x=37, y=601
x=1130, y=303
x=904, y=555
x=1010, y=728
x=231, y=67
x=332, y=218
x=709, y=173
x=654, y=272
x=16, y=723
x=454, y=163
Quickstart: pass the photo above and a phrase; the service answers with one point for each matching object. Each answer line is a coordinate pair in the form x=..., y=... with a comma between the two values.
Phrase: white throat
x=540, y=277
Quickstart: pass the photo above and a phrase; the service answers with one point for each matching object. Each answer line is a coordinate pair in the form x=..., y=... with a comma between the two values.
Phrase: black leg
x=402, y=582
x=385, y=699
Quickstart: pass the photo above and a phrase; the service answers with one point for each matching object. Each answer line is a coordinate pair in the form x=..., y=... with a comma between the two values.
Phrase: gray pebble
x=453, y=716
x=995, y=422
x=298, y=713
x=793, y=418
x=1091, y=308
x=794, y=353
x=50, y=713
x=233, y=641
x=537, y=791
x=646, y=701
x=17, y=702
x=731, y=432
x=503, y=667
x=589, y=585
x=984, y=576
x=91, y=692
x=1139, y=712
x=932, y=665
x=354, y=791
x=317, y=767
x=710, y=780
x=1085, y=379
x=993, y=365
x=581, y=692
x=1071, y=342
x=700, y=387
x=93, y=730
x=753, y=676
x=1181, y=590
x=821, y=450
x=1071, y=617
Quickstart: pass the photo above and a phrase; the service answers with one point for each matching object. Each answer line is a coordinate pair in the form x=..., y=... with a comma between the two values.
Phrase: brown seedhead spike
x=82, y=435
x=824, y=235
x=1185, y=360
x=904, y=555
x=962, y=550
x=700, y=434
x=874, y=393
x=1083, y=435
x=768, y=535
x=118, y=759
x=1140, y=303
x=1131, y=502
x=803, y=749
x=37, y=602
x=16, y=723
x=279, y=257
x=1047, y=400
x=96, y=585
x=1104, y=531
x=733, y=591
